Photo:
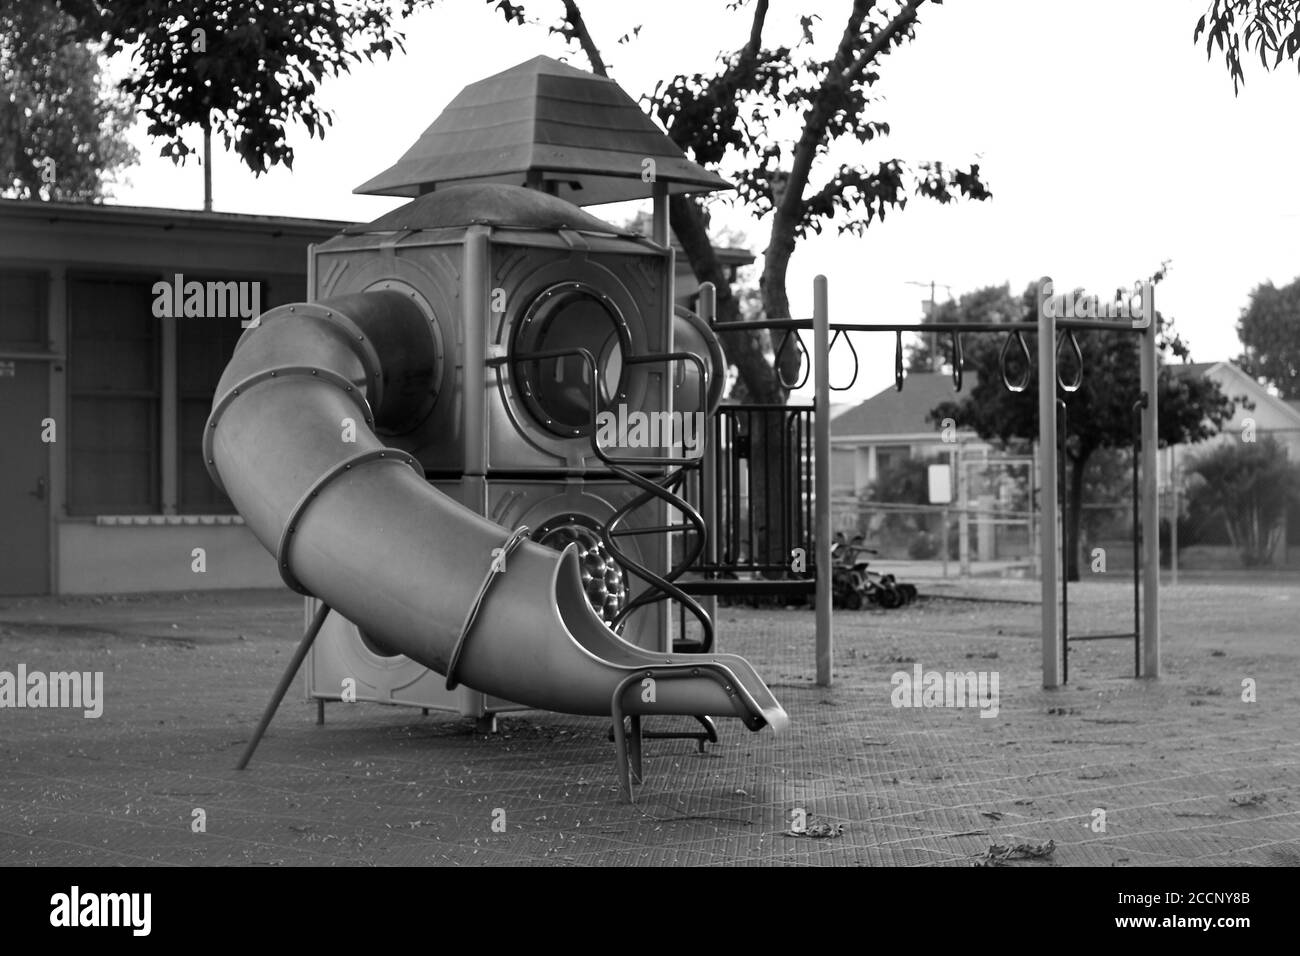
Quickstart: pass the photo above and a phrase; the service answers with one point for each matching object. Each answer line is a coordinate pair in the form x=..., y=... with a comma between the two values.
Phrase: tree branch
x=756, y=30
x=881, y=40
x=578, y=30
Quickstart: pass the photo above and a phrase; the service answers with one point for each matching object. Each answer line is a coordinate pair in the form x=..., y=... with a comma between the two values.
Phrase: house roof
x=1237, y=384
x=163, y=218
x=1193, y=369
x=577, y=130
x=892, y=412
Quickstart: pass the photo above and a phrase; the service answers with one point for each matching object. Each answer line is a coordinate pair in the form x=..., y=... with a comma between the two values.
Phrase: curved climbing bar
x=1077, y=380
x=1022, y=383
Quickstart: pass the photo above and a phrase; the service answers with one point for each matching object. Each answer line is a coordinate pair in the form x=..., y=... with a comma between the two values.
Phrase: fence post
x=1047, y=490
x=822, y=477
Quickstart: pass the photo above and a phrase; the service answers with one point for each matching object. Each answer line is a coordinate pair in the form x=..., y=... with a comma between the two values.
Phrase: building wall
x=96, y=557
x=129, y=499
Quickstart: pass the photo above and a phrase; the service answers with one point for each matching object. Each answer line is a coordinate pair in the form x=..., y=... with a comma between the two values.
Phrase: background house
x=1266, y=415
x=892, y=425
x=989, y=518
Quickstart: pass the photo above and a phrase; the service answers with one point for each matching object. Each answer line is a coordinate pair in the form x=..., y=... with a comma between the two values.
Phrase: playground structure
x=418, y=445
x=1055, y=333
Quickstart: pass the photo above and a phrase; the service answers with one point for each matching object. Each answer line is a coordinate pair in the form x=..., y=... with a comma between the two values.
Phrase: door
x=24, y=476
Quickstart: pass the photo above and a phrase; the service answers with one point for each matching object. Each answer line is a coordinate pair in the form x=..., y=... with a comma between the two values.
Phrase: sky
x=1109, y=141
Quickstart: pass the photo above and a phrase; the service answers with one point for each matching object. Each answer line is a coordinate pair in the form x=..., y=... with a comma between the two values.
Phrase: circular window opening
x=603, y=578
x=557, y=390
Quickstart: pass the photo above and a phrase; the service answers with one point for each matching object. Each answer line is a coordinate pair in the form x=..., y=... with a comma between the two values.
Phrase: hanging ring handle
x=1077, y=380
x=803, y=363
x=1022, y=383
x=958, y=360
x=898, y=361
x=852, y=351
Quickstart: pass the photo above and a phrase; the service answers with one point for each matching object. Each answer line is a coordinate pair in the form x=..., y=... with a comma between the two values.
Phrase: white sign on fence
x=940, y=484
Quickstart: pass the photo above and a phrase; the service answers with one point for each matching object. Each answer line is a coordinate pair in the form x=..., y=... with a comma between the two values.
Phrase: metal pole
x=708, y=310
x=1062, y=429
x=1047, y=491
x=1150, y=507
x=963, y=516
x=295, y=662
x=943, y=540
x=207, y=169
x=1136, y=428
x=822, y=477
x=1173, y=519
x=661, y=232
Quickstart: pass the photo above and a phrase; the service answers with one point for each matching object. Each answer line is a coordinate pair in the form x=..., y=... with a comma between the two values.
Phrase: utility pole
x=928, y=309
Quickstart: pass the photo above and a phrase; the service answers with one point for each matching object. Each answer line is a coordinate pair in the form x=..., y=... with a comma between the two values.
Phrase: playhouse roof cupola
x=549, y=125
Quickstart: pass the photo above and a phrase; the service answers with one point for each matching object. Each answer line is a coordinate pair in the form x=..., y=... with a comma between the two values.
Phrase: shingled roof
x=577, y=130
x=891, y=412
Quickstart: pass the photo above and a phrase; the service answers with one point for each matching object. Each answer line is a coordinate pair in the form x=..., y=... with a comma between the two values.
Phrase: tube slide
x=355, y=524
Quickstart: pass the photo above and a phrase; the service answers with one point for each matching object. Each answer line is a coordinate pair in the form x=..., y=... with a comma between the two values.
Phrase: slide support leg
x=295, y=662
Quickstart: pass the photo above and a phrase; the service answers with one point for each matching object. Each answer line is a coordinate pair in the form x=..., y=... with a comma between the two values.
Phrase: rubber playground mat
x=1108, y=771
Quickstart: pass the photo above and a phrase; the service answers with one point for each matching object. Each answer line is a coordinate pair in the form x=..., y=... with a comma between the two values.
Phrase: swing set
x=1057, y=330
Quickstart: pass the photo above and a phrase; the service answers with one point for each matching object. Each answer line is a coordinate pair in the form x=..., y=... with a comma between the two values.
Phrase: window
x=23, y=308
x=203, y=347
x=114, y=374
x=115, y=363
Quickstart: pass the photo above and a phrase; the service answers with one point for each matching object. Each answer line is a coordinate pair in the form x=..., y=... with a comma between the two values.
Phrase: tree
x=990, y=304
x=1251, y=484
x=1099, y=415
x=61, y=136
x=243, y=68
x=727, y=119
x=1269, y=329
x=1269, y=28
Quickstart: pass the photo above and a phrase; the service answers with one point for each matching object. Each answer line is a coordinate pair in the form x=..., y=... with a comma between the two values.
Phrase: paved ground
x=1185, y=771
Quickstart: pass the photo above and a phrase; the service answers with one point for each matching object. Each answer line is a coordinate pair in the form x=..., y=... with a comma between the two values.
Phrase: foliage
x=1251, y=484
x=243, y=68
x=1269, y=329
x=1267, y=28
x=61, y=136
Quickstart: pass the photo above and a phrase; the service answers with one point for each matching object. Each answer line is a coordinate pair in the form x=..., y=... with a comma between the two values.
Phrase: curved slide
x=354, y=523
